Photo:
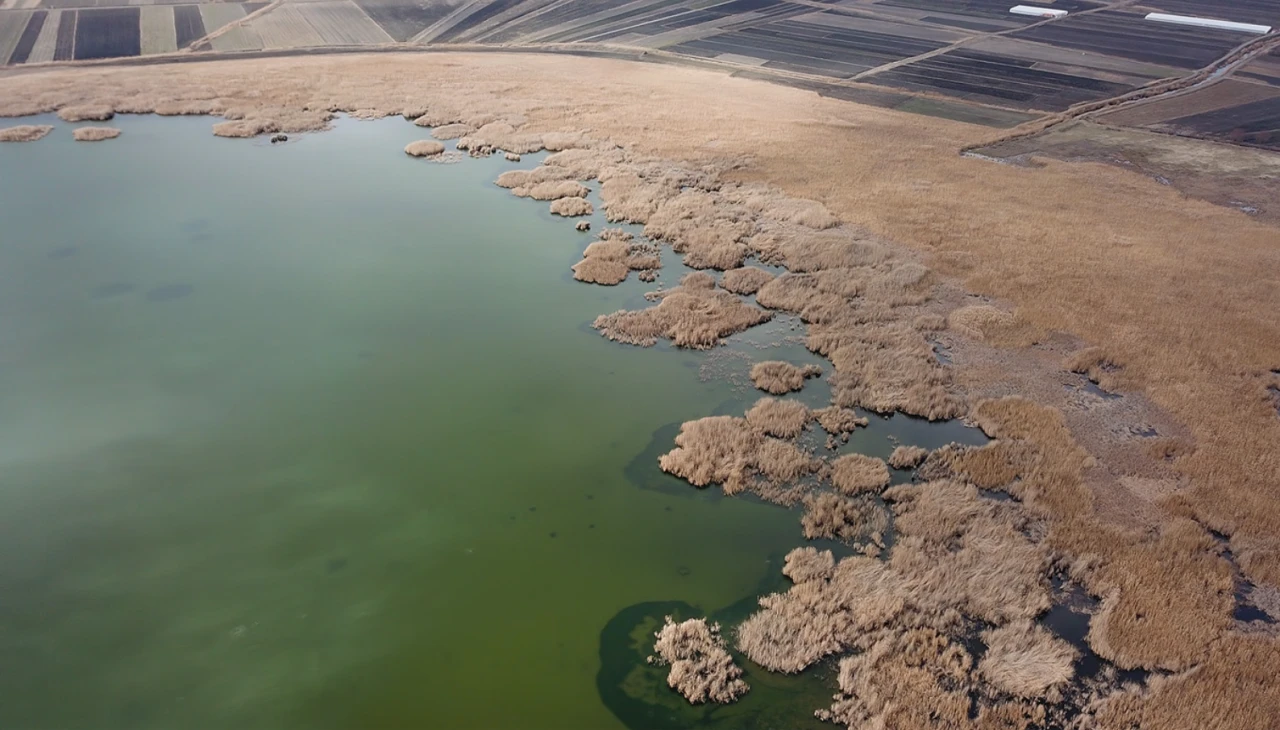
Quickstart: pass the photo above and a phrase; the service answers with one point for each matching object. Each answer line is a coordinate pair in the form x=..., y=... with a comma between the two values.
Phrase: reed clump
x=553, y=190
x=571, y=207
x=691, y=315
x=979, y=321
x=1233, y=687
x=777, y=417
x=957, y=555
x=1026, y=660
x=95, y=134
x=86, y=113
x=907, y=457
x=500, y=136
x=600, y=270
x=839, y=421
x=886, y=368
x=1093, y=363
x=522, y=180
x=424, y=148
x=24, y=132
x=745, y=280
x=858, y=473
x=609, y=260
x=804, y=564
x=778, y=377
x=453, y=131
x=851, y=520
x=701, y=668
x=731, y=452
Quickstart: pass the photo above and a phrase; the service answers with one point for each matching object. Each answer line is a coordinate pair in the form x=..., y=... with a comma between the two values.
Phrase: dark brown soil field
x=1262, y=12
x=1128, y=35
x=108, y=33
x=28, y=39
x=1225, y=93
x=1004, y=80
x=188, y=23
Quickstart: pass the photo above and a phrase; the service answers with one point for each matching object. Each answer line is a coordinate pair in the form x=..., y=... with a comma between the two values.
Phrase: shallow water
x=317, y=435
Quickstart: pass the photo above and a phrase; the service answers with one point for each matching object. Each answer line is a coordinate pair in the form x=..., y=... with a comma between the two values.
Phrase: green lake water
x=317, y=435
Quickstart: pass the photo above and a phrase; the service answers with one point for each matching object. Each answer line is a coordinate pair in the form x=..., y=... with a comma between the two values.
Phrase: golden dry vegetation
x=778, y=377
x=24, y=132
x=745, y=280
x=777, y=417
x=571, y=207
x=1173, y=293
x=856, y=473
x=907, y=457
x=701, y=668
x=423, y=148
x=95, y=134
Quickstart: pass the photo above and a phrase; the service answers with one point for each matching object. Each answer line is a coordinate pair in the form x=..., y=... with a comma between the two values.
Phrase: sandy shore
x=1030, y=266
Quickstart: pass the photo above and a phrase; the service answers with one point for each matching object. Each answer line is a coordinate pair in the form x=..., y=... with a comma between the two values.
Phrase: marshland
x=940, y=572
x=317, y=417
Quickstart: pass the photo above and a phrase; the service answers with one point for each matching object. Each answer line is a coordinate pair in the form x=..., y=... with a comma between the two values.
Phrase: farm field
x=962, y=57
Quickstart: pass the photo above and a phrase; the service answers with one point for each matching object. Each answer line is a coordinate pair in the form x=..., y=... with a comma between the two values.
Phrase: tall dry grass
x=784, y=419
x=850, y=520
x=95, y=134
x=424, y=148
x=701, y=668
x=695, y=316
x=778, y=377
x=907, y=457
x=858, y=473
x=839, y=421
x=572, y=207
x=1026, y=660
x=745, y=280
x=24, y=132
x=731, y=452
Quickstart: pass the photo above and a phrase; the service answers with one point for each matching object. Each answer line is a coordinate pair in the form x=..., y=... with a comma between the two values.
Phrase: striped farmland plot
x=216, y=15
x=343, y=24
x=27, y=42
x=158, y=32
x=286, y=27
x=237, y=38
x=47, y=41
x=12, y=23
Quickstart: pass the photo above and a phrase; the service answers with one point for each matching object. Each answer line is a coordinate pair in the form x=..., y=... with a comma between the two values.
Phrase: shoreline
x=1097, y=526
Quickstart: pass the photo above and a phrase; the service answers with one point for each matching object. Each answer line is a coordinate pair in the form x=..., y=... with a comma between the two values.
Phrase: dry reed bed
x=778, y=377
x=424, y=148
x=907, y=457
x=25, y=132
x=609, y=260
x=701, y=668
x=745, y=280
x=95, y=134
x=1197, y=336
